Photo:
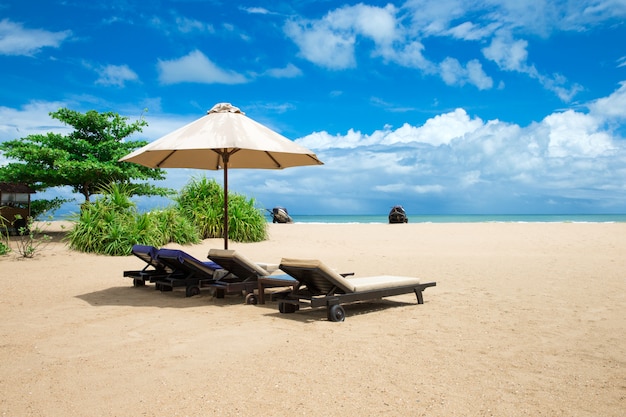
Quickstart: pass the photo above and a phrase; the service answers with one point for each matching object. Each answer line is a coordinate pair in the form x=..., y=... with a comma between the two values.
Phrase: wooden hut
x=14, y=200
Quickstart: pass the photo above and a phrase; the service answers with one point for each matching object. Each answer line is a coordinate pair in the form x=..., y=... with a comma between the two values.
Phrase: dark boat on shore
x=280, y=215
x=398, y=215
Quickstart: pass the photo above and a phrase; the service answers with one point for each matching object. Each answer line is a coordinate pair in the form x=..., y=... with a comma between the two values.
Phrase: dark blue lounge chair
x=191, y=273
x=153, y=270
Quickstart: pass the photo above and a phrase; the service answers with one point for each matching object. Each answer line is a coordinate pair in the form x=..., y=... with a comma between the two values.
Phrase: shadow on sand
x=149, y=297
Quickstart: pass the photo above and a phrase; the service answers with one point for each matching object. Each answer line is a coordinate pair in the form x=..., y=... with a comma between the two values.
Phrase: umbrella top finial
x=224, y=108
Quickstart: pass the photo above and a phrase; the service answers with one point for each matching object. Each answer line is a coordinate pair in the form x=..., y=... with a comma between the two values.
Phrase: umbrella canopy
x=224, y=138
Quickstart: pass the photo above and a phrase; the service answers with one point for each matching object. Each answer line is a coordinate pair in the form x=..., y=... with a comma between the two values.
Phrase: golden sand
x=525, y=320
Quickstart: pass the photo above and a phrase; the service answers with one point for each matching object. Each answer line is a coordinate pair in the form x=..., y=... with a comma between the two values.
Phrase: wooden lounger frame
x=321, y=287
x=189, y=272
x=152, y=271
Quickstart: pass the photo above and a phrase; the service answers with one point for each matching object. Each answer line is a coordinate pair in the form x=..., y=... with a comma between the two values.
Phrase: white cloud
x=451, y=162
x=512, y=55
x=322, y=46
x=398, y=36
x=116, y=75
x=612, y=107
x=186, y=25
x=33, y=118
x=411, y=55
x=195, y=67
x=573, y=134
x=17, y=40
x=508, y=53
x=330, y=42
x=256, y=10
x=453, y=73
x=290, y=71
x=569, y=157
x=469, y=31
x=439, y=130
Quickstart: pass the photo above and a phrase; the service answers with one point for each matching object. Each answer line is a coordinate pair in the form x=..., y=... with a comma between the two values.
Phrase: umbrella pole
x=225, y=159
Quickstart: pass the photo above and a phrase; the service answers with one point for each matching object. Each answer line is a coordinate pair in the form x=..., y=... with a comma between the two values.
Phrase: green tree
x=85, y=159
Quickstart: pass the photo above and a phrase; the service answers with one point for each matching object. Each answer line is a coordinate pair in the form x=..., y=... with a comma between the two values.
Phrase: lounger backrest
x=178, y=259
x=318, y=277
x=236, y=263
x=148, y=255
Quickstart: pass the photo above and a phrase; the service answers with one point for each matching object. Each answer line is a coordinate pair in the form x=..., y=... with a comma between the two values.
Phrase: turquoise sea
x=465, y=218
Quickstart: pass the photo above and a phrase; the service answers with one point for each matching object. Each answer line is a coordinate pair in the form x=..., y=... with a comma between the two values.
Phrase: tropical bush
x=247, y=223
x=202, y=201
x=111, y=225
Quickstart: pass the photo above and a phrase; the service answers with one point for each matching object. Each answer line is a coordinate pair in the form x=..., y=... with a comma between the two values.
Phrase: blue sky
x=443, y=106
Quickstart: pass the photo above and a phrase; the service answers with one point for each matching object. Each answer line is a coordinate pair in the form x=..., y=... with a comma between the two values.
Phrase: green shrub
x=202, y=201
x=247, y=223
x=173, y=226
x=111, y=225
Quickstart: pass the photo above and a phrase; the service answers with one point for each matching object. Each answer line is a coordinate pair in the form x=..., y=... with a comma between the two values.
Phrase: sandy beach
x=525, y=320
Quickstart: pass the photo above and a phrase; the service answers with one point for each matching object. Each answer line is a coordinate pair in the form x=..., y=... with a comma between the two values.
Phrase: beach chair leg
x=420, y=297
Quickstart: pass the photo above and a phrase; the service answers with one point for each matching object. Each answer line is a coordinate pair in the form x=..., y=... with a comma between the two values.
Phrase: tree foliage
x=86, y=159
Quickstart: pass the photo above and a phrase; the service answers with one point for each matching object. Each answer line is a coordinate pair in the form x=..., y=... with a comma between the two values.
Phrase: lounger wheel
x=137, y=282
x=251, y=299
x=287, y=308
x=191, y=291
x=336, y=313
x=220, y=293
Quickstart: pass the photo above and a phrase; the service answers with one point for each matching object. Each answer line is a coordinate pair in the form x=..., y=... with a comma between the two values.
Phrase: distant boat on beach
x=280, y=215
x=398, y=215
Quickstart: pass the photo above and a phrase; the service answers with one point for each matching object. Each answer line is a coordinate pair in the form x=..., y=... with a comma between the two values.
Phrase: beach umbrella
x=224, y=138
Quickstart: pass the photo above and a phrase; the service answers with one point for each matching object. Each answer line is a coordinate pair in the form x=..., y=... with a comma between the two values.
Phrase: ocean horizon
x=463, y=218
x=432, y=218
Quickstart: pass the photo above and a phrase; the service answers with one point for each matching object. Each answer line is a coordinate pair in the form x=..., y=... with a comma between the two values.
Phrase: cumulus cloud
x=115, y=75
x=322, y=46
x=453, y=73
x=508, y=53
x=195, y=67
x=345, y=35
x=567, y=160
x=330, y=41
x=15, y=39
x=452, y=162
x=613, y=107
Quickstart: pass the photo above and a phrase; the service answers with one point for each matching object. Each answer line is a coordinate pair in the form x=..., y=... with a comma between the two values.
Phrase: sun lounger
x=242, y=274
x=192, y=273
x=153, y=270
x=321, y=286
